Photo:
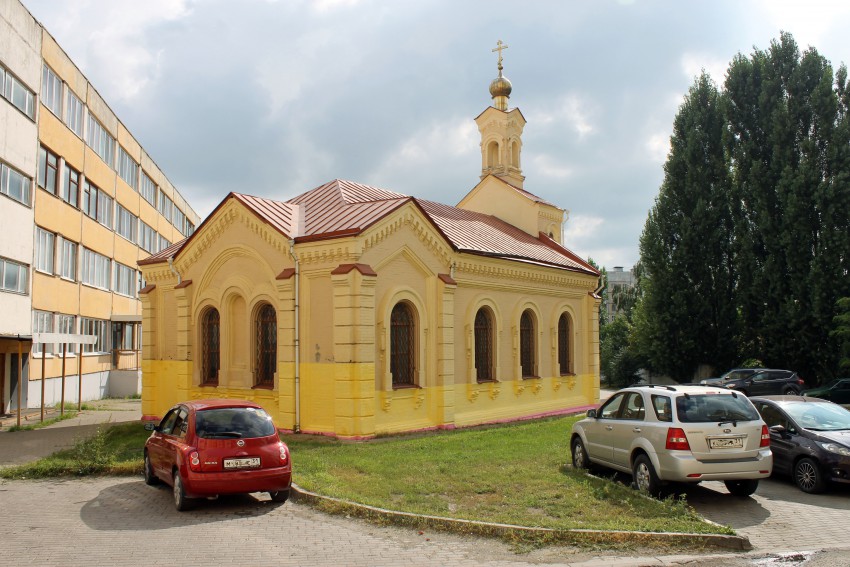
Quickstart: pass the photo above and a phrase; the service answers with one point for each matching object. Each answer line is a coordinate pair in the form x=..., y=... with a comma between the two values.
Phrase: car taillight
x=765, y=436
x=284, y=454
x=801, y=382
x=194, y=461
x=676, y=440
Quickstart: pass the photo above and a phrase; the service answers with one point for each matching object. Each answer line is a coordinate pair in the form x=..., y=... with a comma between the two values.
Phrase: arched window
x=265, y=346
x=210, y=347
x=527, y=346
x=564, y=362
x=493, y=154
x=403, y=345
x=484, y=345
x=515, y=154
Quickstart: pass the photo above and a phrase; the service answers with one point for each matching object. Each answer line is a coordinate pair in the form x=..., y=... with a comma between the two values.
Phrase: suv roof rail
x=671, y=388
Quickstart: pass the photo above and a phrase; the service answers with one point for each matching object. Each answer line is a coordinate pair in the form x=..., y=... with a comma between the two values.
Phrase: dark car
x=810, y=439
x=203, y=448
x=767, y=383
x=734, y=374
x=837, y=391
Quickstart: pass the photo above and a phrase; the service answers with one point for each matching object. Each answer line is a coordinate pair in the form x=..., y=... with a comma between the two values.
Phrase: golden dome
x=500, y=86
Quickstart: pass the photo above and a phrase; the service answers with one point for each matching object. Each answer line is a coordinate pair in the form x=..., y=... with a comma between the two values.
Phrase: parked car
x=662, y=434
x=837, y=391
x=768, y=382
x=810, y=439
x=734, y=374
x=203, y=448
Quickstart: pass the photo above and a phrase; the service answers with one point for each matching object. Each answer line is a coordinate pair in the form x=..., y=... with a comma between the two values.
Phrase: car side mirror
x=778, y=429
x=591, y=413
x=151, y=426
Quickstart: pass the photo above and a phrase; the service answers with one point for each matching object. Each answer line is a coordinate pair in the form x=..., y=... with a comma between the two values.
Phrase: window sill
x=406, y=387
x=263, y=387
x=208, y=384
x=491, y=381
x=568, y=374
x=531, y=377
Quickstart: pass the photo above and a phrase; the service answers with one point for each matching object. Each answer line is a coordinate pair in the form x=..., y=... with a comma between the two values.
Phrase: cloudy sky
x=273, y=98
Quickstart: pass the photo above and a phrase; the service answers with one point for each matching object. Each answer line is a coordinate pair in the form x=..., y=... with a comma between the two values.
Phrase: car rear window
x=222, y=423
x=699, y=408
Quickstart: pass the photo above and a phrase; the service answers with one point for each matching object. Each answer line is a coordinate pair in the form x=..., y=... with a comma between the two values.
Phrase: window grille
x=211, y=348
x=527, y=347
x=483, y=346
x=564, y=344
x=402, y=345
x=266, y=345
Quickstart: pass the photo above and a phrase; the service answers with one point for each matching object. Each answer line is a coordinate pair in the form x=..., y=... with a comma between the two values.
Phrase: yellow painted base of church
x=341, y=399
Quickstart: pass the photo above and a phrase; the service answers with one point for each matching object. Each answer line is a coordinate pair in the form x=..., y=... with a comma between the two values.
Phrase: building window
x=67, y=259
x=15, y=184
x=564, y=362
x=95, y=269
x=265, y=337
x=44, y=250
x=42, y=322
x=13, y=276
x=125, y=224
x=163, y=243
x=97, y=204
x=48, y=170
x=128, y=169
x=71, y=186
x=98, y=328
x=179, y=221
x=403, y=345
x=527, y=346
x=190, y=228
x=147, y=238
x=100, y=141
x=74, y=112
x=484, y=345
x=210, y=347
x=51, y=90
x=67, y=324
x=166, y=206
x=125, y=336
x=148, y=189
x=125, y=280
x=15, y=92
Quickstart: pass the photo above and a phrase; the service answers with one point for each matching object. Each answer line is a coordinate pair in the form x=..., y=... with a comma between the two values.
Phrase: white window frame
x=148, y=237
x=45, y=251
x=67, y=259
x=42, y=322
x=128, y=169
x=126, y=224
x=95, y=269
x=17, y=93
x=100, y=329
x=148, y=189
x=66, y=324
x=75, y=113
x=51, y=90
x=8, y=267
x=100, y=141
x=125, y=280
x=11, y=177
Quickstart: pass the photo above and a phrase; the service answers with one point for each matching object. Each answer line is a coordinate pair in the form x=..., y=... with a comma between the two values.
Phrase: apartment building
x=81, y=202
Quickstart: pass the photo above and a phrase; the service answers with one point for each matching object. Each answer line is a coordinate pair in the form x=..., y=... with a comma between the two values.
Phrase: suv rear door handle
x=636, y=429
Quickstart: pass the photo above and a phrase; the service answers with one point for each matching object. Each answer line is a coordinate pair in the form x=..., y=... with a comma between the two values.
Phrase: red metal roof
x=343, y=208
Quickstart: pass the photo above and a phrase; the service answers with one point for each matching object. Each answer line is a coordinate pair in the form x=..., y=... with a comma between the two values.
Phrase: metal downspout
x=174, y=271
x=296, y=428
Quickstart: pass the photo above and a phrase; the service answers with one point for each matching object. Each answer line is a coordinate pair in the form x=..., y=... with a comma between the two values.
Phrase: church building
x=354, y=311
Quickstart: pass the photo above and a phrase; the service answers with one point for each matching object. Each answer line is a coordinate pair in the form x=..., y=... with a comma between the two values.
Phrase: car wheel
x=644, y=476
x=180, y=501
x=279, y=496
x=150, y=477
x=742, y=487
x=580, y=460
x=808, y=477
x=789, y=391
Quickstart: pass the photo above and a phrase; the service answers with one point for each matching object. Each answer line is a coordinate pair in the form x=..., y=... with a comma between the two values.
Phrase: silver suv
x=663, y=434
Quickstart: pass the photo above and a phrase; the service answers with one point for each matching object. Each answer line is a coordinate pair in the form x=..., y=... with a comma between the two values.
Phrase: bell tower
x=501, y=131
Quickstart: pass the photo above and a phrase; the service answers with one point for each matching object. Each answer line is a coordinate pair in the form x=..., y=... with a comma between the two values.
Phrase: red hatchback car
x=204, y=448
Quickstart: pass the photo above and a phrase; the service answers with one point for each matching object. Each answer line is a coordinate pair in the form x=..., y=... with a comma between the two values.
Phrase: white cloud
x=572, y=110
x=549, y=166
x=431, y=146
x=658, y=146
x=693, y=64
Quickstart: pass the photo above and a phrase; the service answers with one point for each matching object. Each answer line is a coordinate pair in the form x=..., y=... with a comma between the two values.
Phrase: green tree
x=787, y=148
x=842, y=332
x=687, y=315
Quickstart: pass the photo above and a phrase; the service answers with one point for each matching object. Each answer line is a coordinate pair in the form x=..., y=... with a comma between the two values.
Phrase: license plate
x=243, y=463
x=726, y=443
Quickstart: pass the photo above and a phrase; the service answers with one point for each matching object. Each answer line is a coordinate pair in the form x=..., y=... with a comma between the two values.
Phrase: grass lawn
x=512, y=474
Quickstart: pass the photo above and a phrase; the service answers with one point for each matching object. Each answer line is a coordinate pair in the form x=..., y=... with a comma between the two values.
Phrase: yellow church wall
x=493, y=197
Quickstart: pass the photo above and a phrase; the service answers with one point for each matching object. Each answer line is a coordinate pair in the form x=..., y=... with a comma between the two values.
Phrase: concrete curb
x=507, y=531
